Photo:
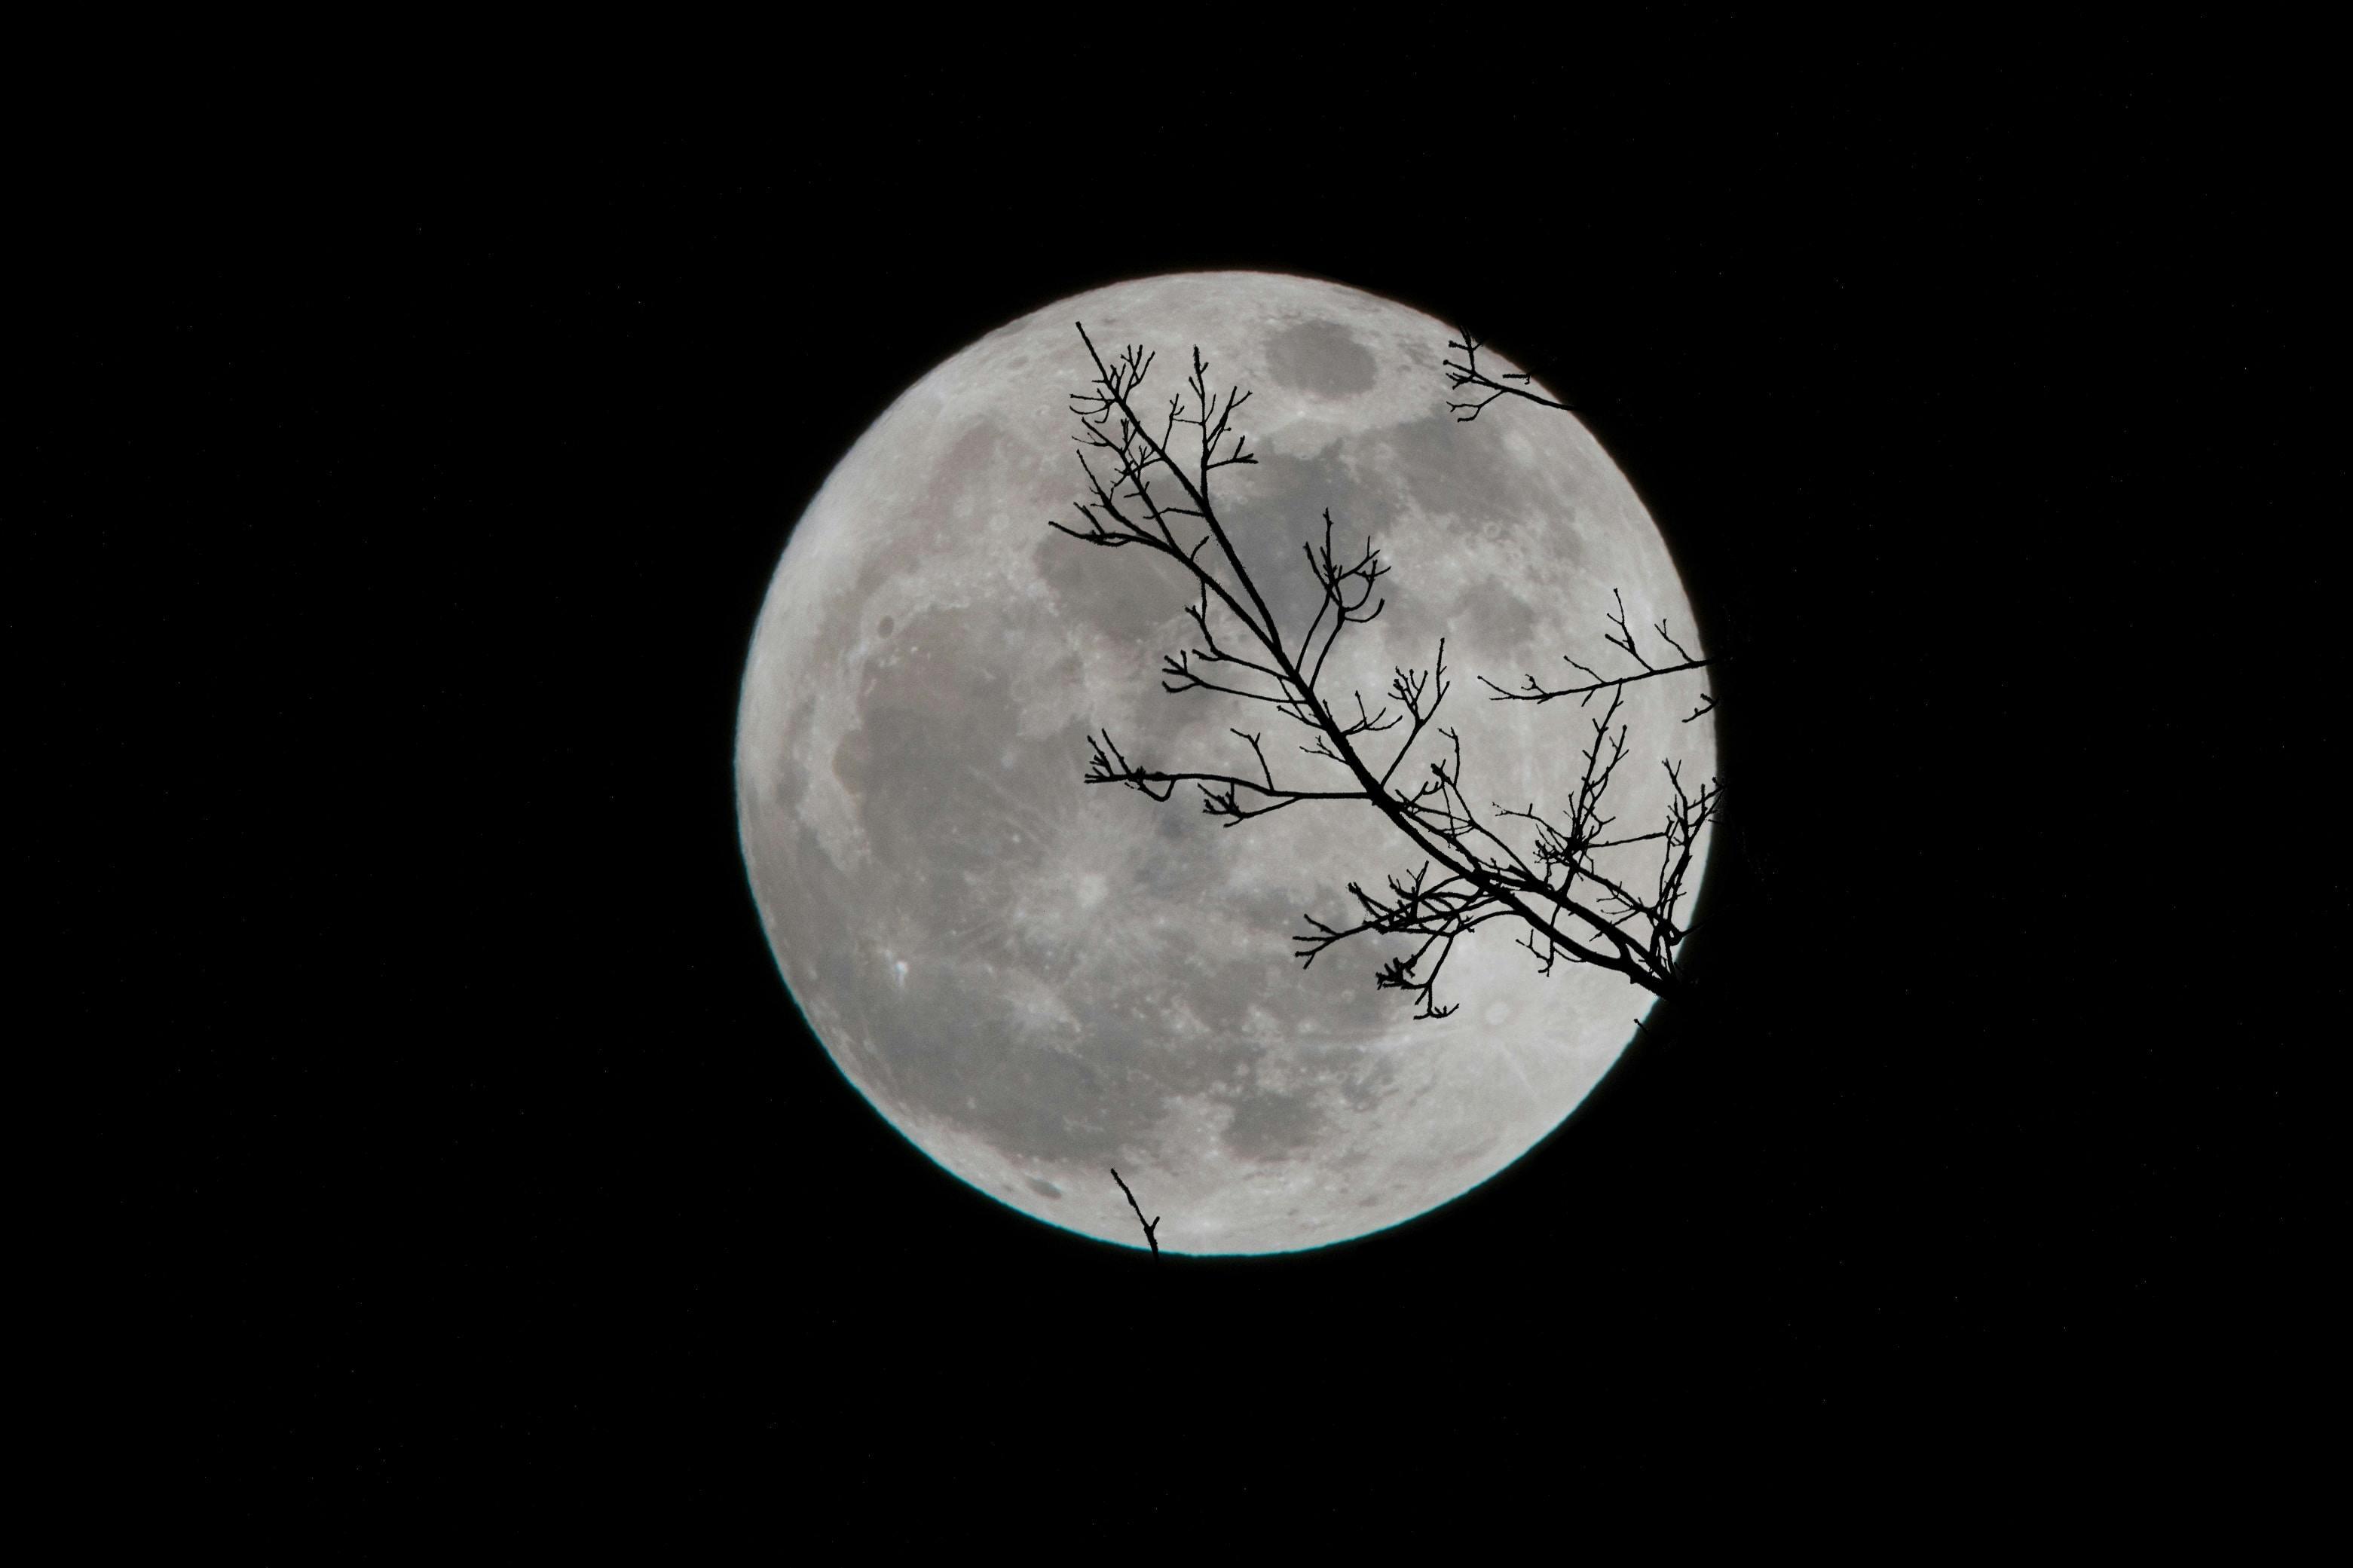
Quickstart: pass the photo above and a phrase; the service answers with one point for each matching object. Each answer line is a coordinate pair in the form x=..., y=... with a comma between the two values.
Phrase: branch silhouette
x=1151, y=1225
x=1144, y=492
x=1465, y=372
x=1531, y=692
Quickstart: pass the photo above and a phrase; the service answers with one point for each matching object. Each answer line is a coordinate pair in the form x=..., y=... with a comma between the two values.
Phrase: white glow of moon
x=1035, y=979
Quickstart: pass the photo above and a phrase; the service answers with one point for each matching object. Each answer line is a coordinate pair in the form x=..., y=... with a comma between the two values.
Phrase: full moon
x=1035, y=979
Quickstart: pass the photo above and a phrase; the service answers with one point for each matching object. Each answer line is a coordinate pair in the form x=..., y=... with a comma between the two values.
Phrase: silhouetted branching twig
x=1465, y=372
x=1622, y=639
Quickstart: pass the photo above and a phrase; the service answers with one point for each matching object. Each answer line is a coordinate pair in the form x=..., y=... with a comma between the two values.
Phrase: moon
x=1036, y=980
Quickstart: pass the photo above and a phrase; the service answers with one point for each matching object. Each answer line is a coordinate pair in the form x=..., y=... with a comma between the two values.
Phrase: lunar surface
x=1035, y=979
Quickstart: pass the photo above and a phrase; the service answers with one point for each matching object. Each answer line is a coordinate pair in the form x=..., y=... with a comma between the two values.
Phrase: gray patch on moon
x=1150, y=593
x=1491, y=626
x=1033, y=979
x=1271, y=1124
x=1322, y=357
x=1469, y=473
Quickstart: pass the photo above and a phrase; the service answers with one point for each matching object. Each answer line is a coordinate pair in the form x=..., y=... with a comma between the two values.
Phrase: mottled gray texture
x=1036, y=980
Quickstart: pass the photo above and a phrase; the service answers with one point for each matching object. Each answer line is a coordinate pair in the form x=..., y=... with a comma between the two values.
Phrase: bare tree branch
x=1143, y=493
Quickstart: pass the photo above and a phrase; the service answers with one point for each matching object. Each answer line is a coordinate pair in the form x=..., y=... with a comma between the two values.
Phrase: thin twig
x=1149, y=1225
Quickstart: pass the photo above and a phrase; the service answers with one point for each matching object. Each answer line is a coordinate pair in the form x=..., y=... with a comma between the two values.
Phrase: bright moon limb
x=1035, y=980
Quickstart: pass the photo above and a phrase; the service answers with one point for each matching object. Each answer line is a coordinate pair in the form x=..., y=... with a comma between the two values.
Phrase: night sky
x=400, y=501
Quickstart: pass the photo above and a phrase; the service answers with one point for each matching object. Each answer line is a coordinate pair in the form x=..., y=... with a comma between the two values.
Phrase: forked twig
x=1149, y=1225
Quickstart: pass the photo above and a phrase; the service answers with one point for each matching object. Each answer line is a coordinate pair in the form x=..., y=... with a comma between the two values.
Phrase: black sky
x=408, y=494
